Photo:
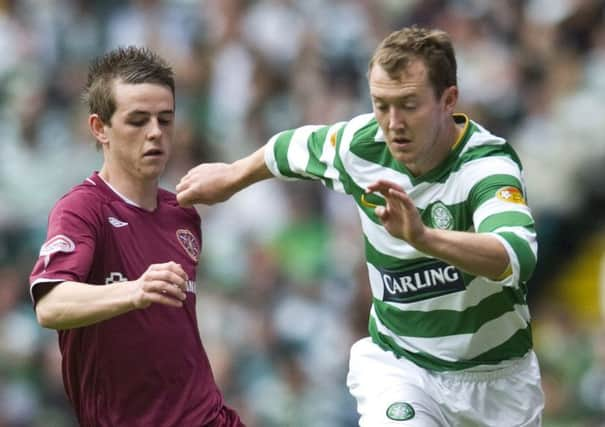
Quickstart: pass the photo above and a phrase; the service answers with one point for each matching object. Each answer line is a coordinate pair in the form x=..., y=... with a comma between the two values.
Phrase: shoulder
x=80, y=209
x=486, y=150
x=84, y=199
x=168, y=199
x=361, y=128
x=361, y=131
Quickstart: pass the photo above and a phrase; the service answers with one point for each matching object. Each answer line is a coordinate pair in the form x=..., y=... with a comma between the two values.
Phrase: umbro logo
x=116, y=222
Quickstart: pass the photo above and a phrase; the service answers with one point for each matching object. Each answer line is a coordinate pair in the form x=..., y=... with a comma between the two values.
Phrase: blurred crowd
x=282, y=292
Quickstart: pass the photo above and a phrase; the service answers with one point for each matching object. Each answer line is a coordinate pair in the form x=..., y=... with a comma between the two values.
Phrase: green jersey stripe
x=495, y=207
x=282, y=145
x=461, y=346
x=486, y=188
x=331, y=175
x=525, y=255
x=300, y=151
x=492, y=222
x=455, y=189
x=412, y=323
x=315, y=145
x=515, y=347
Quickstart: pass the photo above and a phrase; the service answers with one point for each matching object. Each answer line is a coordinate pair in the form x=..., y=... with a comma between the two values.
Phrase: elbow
x=45, y=316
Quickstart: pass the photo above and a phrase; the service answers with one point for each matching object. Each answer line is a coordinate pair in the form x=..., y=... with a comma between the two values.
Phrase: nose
x=396, y=119
x=155, y=130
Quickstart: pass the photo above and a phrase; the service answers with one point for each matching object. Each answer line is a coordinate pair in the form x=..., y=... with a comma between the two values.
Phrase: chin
x=152, y=173
x=403, y=159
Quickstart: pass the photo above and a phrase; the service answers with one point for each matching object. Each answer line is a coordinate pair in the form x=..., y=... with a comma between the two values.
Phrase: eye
x=137, y=123
x=164, y=121
x=380, y=106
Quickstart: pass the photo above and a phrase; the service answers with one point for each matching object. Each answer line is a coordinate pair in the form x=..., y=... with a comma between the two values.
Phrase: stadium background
x=282, y=291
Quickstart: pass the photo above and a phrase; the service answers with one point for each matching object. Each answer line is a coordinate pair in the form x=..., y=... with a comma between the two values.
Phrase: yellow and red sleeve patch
x=510, y=194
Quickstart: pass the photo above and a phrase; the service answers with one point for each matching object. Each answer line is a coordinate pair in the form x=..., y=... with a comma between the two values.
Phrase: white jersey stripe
x=380, y=238
x=465, y=346
x=327, y=157
x=495, y=206
x=298, y=153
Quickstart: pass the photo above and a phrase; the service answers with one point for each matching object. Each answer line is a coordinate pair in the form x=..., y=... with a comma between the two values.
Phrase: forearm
x=72, y=304
x=250, y=169
x=475, y=253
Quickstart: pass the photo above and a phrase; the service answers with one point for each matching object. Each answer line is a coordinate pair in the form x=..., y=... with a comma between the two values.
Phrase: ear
x=97, y=128
x=450, y=99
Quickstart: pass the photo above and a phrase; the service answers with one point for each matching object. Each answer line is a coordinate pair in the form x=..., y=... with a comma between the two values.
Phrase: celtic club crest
x=442, y=217
x=400, y=411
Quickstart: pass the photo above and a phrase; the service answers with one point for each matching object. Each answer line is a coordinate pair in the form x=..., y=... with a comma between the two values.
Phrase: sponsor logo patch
x=191, y=286
x=400, y=411
x=59, y=243
x=189, y=243
x=428, y=281
x=510, y=194
x=116, y=222
x=115, y=277
x=441, y=216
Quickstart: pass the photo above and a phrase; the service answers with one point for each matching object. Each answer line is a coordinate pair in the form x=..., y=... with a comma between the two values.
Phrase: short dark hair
x=130, y=64
x=434, y=47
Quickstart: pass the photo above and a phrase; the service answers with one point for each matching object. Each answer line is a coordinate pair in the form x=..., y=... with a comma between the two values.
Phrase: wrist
x=132, y=295
x=425, y=240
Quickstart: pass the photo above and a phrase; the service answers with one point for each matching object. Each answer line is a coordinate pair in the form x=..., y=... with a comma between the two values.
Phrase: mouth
x=153, y=153
x=401, y=141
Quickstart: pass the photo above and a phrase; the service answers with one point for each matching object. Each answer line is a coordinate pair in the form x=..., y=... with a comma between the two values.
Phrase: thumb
x=184, y=198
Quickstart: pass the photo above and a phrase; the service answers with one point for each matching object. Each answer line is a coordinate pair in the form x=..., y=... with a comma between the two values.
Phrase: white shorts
x=395, y=392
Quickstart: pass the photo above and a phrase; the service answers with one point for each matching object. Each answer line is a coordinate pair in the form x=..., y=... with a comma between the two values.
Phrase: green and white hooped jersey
x=423, y=309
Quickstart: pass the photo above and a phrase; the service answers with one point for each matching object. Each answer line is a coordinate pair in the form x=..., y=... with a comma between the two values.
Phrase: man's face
x=140, y=134
x=410, y=115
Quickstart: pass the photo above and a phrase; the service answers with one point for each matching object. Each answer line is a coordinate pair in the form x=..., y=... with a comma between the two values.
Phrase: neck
x=142, y=192
x=444, y=141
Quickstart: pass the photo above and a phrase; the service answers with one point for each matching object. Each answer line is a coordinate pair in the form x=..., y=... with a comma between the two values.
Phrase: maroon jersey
x=146, y=367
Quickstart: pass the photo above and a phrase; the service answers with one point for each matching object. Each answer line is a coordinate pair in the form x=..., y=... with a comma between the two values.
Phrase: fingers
x=182, y=185
x=391, y=192
x=185, y=188
x=383, y=186
x=381, y=213
x=164, y=284
x=164, y=293
x=184, y=197
x=169, y=267
x=400, y=196
x=184, y=191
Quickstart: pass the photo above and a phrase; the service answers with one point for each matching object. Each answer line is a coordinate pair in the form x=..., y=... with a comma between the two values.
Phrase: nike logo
x=116, y=222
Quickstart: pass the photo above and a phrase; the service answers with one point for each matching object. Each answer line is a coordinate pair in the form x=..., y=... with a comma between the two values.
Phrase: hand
x=399, y=216
x=207, y=183
x=160, y=284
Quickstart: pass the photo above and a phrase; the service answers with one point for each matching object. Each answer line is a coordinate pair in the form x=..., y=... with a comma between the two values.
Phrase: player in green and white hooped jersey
x=449, y=240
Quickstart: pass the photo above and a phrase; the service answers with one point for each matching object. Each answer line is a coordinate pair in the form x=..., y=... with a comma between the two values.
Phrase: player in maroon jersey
x=116, y=275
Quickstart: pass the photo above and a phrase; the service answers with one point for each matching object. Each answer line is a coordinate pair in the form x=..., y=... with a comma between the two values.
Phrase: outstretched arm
x=72, y=304
x=476, y=253
x=211, y=183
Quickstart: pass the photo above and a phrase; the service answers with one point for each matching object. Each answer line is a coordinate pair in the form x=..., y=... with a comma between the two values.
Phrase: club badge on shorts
x=400, y=411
